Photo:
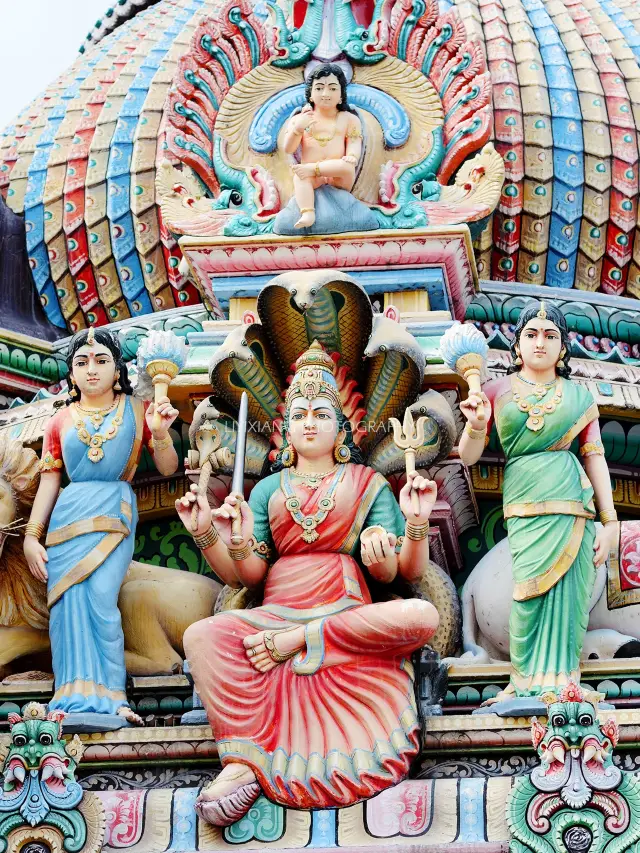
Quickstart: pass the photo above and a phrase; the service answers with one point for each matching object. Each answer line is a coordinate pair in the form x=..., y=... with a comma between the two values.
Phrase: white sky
x=38, y=40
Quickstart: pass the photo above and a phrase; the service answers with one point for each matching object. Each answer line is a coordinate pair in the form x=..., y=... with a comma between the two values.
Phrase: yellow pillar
x=238, y=305
x=408, y=301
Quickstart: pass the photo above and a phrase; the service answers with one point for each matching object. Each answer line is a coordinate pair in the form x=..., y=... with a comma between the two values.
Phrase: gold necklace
x=97, y=416
x=325, y=140
x=312, y=481
x=95, y=452
x=308, y=523
x=537, y=410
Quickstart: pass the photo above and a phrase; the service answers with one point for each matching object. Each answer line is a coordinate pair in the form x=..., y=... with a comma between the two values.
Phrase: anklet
x=274, y=654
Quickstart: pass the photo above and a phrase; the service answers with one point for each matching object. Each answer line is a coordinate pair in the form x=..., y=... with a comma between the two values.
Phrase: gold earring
x=560, y=361
x=518, y=360
x=73, y=390
x=288, y=456
x=117, y=386
x=341, y=452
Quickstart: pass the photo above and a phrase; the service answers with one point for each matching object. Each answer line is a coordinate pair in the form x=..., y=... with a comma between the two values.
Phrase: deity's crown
x=314, y=377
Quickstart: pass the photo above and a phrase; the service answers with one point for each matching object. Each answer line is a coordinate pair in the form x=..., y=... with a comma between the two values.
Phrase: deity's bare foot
x=264, y=649
x=508, y=693
x=307, y=218
x=130, y=716
x=229, y=796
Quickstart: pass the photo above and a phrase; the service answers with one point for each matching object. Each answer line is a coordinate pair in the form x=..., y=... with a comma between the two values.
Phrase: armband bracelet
x=608, y=515
x=161, y=443
x=317, y=170
x=417, y=532
x=475, y=434
x=239, y=554
x=207, y=539
x=34, y=528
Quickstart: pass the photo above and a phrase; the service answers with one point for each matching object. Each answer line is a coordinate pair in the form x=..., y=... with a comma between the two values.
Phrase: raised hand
x=417, y=498
x=469, y=409
x=184, y=507
x=167, y=416
x=377, y=546
x=224, y=516
x=304, y=120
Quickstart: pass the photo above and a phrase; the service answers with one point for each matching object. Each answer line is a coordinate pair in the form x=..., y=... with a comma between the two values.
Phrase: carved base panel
x=416, y=815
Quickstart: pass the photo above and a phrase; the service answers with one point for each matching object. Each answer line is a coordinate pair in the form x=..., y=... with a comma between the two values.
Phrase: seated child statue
x=328, y=133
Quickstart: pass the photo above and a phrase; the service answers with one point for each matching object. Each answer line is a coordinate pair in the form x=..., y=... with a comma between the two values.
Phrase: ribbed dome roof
x=80, y=161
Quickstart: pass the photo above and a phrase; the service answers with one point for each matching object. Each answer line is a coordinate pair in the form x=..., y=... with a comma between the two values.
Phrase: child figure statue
x=328, y=133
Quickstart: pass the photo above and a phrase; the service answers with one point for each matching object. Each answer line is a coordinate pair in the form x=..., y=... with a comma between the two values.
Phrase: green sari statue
x=546, y=424
x=549, y=511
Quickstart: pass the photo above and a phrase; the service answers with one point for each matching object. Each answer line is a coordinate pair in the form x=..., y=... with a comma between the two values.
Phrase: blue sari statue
x=97, y=440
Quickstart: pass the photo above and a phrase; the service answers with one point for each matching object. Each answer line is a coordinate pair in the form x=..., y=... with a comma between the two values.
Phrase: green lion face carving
x=39, y=784
x=37, y=745
x=576, y=800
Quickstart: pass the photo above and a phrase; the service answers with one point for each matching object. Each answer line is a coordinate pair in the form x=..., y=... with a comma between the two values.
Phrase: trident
x=409, y=437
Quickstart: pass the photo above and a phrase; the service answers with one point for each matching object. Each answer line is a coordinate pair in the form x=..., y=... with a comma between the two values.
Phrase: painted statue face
x=313, y=427
x=540, y=344
x=93, y=370
x=325, y=92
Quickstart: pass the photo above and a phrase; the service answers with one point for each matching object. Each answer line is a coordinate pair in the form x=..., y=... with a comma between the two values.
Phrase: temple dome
x=80, y=161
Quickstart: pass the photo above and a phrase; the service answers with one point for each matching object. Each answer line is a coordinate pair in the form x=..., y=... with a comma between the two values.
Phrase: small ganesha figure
x=311, y=696
x=328, y=133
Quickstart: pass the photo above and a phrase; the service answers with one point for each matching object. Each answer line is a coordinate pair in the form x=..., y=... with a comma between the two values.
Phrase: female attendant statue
x=330, y=140
x=548, y=499
x=310, y=696
x=97, y=440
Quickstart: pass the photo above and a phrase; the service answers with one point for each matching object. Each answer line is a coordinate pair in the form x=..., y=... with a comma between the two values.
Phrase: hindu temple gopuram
x=320, y=432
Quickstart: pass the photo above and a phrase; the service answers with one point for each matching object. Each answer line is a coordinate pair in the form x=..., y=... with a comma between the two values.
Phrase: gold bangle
x=416, y=532
x=207, y=539
x=608, y=515
x=161, y=443
x=475, y=434
x=239, y=554
x=317, y=170
x=34, y=528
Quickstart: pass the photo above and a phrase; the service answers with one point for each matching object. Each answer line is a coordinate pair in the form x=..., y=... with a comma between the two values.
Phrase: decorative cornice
x=604, y=327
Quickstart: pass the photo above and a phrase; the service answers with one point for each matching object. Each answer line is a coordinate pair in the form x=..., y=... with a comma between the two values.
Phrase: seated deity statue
x=310, y=695
x=329, y=136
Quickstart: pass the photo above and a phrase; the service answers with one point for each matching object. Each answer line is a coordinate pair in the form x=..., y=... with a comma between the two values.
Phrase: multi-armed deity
x=541, y=416
x=312, y=539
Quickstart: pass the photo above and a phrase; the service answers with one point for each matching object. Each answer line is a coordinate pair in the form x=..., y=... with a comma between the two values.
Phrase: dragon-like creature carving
x=576, y=800
x=40, y=789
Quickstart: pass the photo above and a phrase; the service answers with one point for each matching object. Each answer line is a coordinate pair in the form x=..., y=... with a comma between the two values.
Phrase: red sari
x=337, y=723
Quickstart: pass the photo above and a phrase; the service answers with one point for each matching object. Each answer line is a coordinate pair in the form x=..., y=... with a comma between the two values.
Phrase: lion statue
x=157, y=603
